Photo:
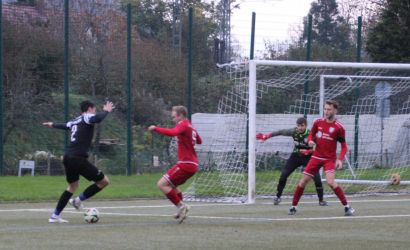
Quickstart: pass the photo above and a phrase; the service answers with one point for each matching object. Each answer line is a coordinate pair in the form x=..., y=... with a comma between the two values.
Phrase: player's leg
x=317, y=179
x=91, y=173
x=311, y=170
x=179, y=193
x=319, y=189
x=169, y=190
x=72, y=177
x=169, y=183
x=330, y=179
x=288, y=169
x=174, y=195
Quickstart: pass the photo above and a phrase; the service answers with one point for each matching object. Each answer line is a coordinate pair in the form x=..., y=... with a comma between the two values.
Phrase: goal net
x=267, y=96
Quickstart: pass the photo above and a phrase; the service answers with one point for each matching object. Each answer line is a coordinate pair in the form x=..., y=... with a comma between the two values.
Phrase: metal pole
x=189, y=76
x=309, y=39
x=359, y=39
x=321, y=95
x=252, y=134
x=356, y=140
x=253, y=36
x=251, y=57
x=129, y=92
x=356, y=117
x=1, y=89
x=308, y=58
x=66, y=65
x=251, y=120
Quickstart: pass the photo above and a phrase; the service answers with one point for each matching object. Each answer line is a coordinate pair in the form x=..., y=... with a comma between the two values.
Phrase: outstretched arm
x=177, y=130
x=283, y=132
x=56, y=125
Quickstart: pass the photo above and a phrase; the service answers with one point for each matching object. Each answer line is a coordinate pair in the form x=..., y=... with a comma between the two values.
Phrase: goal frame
x=252, y=102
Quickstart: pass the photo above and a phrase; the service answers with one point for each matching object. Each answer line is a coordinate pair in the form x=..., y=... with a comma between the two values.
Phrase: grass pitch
x=380, y=223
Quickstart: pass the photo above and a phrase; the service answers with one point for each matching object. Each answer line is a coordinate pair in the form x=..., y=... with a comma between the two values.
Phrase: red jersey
x=187, y=137
x=326, y=135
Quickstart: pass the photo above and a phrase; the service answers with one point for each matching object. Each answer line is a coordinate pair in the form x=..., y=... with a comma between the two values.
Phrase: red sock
x=296, y=196
x=341, y=195
x=173, y=197
x=181, y=197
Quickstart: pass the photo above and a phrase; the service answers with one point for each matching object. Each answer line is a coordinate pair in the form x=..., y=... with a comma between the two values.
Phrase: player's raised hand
x=108, y=106
x=48, y=124
x=339, y=164
x=151, y=128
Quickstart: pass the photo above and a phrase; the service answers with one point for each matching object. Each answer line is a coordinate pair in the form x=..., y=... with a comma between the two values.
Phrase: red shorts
x=180, y=173
x=315, y=164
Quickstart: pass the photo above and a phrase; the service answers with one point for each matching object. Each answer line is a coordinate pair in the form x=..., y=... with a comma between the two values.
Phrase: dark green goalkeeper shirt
x=300, y=139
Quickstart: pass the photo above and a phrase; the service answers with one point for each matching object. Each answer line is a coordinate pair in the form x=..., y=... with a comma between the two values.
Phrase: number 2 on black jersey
x=73, y=131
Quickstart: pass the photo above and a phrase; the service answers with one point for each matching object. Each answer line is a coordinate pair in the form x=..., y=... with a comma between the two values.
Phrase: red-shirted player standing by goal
x=187, y=164
x=324, y=135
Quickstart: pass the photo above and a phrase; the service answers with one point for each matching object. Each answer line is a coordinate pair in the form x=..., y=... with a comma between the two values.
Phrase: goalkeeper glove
x=263, y=137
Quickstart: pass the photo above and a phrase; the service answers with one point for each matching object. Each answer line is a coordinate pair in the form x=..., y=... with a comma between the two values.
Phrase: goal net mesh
x=374, y=111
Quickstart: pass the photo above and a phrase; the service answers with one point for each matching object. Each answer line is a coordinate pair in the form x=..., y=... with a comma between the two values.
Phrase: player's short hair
x=332, y=103
x=301, y=120
x=85, y=105
x=180, y=110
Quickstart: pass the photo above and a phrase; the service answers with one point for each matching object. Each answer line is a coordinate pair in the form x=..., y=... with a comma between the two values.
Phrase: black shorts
x=75, y=166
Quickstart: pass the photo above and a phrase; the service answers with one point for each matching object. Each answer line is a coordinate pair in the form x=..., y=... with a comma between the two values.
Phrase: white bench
x=24, y=164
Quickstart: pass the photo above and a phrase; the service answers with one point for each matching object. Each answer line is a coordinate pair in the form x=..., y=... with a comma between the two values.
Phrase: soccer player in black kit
x=300, y=157
x=75, y=158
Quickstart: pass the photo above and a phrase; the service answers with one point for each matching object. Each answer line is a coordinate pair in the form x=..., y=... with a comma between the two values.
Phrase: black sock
x=89, y=192
x=319, y=191
x=62, y=202
x=281, y=186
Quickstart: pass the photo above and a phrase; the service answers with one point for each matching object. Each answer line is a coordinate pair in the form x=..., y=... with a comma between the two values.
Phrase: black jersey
x=82, y=131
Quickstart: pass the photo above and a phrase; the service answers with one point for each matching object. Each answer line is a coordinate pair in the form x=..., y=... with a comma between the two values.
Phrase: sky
x=276, y=21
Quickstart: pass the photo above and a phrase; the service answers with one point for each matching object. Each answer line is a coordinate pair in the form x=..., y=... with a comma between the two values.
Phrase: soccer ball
x=91, y=215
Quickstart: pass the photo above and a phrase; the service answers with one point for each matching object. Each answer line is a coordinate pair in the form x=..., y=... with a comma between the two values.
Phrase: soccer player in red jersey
x=324, y=135
x=187, y=164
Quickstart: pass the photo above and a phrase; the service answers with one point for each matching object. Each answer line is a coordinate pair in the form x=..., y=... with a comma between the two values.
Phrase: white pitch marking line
x=196, y=205
x=265, y=219
x=336, y=201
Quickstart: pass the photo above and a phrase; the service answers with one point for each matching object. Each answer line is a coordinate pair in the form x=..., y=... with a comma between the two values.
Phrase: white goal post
x=252, y=100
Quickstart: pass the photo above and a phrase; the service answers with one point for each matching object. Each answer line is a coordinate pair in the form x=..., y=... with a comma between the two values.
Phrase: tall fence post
x=1, y=89
x=359, y=39
x=189, y=76
x=129, y=92
x=308, y=58
x=66, y=65
x=356, y=117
